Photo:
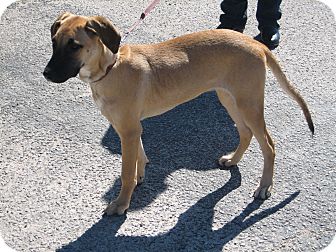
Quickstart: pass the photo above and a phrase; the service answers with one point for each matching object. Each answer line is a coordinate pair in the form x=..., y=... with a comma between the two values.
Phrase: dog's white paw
x=116, y=208
x=263, y=192
x=226, y=161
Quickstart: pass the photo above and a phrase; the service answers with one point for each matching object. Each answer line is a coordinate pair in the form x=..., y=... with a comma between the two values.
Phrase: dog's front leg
x=130, y=141
x=141, y=163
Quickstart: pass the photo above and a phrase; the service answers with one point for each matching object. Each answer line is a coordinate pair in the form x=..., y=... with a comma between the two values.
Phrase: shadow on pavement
x=192, y=136
x=193, y=231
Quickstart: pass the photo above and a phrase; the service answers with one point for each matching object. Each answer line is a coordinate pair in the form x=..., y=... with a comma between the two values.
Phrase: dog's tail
x=288, y=87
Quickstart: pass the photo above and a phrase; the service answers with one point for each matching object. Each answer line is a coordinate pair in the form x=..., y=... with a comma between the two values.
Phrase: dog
x=132, y=82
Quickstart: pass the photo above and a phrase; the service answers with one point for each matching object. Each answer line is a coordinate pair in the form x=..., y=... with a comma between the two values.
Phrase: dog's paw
x=226, y=161
x=116, y=208
x=262, y=192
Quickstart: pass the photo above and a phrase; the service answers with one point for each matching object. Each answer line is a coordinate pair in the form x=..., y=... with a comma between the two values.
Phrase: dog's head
x=78, y=41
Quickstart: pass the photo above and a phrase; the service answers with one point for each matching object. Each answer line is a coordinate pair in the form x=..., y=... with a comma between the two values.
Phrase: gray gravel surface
x=60, y=160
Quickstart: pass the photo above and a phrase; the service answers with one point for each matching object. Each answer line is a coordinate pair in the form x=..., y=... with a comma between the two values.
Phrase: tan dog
x=133, y=82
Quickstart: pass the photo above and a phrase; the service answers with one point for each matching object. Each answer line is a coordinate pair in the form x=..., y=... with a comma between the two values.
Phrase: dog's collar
x=108, y=69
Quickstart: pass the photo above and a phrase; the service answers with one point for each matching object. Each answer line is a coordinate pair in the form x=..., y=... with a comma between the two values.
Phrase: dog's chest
x=99, y=100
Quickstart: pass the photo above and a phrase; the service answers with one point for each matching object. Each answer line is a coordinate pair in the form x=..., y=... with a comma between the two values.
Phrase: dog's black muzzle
x=60, y=68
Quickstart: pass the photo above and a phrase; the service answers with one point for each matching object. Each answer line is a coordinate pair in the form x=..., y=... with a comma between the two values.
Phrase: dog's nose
x=47, y=73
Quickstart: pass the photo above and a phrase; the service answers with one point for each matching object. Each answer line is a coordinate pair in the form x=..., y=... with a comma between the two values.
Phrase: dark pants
x=268, y=13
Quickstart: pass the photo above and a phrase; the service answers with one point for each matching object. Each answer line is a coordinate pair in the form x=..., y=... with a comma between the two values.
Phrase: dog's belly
x=160, y=105
x=156, y=111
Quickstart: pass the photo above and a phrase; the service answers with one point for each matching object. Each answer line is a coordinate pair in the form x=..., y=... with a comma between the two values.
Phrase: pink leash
x=150, y=7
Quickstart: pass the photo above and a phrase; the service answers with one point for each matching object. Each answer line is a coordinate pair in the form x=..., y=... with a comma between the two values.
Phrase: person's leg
x=234, y=15
x=268, y=14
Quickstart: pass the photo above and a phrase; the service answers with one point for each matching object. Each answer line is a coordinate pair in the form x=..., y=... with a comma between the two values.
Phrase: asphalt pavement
x=60, y=160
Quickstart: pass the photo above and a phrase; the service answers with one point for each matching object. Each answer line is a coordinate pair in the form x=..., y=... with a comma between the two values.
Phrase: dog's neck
x=93, y=73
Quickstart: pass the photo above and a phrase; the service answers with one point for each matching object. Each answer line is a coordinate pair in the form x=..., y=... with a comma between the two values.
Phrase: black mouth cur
x=133, y=82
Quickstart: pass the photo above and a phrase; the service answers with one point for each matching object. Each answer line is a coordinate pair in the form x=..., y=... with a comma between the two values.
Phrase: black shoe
x=238, y=29
x=269, y=39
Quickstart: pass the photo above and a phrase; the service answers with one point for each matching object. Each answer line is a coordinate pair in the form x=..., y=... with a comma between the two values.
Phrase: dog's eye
x=73, y=45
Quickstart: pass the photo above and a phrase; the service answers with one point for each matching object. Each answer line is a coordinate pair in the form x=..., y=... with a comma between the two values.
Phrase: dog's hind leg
x=245, y=133
x=246, y=108
x=253, y=116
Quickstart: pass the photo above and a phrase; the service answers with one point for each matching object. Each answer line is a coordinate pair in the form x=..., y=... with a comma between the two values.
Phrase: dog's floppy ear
x=57, y=23
x=106, y=31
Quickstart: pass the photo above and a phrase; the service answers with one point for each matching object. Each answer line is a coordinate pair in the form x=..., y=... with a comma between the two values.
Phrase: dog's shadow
x=192, y=232
x=192, y=136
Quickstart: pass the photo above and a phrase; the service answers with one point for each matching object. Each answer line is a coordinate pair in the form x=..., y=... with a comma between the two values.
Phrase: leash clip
x=149, y=8
x=143, y=15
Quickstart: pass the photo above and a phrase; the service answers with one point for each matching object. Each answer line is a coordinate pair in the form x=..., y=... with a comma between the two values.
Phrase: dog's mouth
x=61, y=74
